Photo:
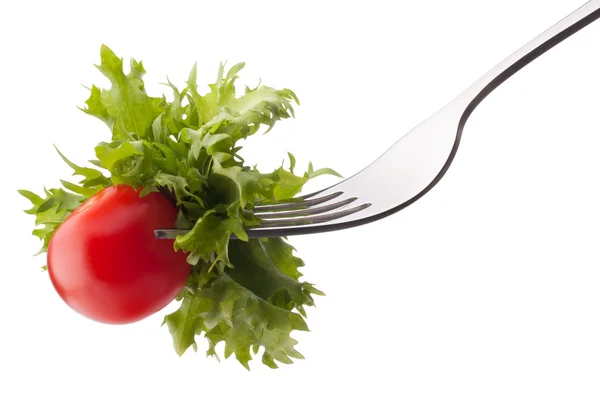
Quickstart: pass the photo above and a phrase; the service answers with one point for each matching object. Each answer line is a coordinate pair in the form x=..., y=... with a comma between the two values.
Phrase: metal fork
x=418, y=160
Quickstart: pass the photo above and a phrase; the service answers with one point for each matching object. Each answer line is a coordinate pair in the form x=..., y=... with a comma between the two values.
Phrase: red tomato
x=105, y=262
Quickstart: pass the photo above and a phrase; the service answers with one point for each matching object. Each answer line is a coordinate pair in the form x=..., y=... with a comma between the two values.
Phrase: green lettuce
x=244, y=293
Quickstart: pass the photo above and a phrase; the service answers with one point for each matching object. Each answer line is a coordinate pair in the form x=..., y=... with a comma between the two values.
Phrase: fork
x=418, y=160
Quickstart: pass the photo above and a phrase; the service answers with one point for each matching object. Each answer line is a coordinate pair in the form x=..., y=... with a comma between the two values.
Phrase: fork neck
x=571, y=24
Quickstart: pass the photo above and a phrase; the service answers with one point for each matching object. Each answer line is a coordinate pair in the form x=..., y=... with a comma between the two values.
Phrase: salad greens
x=244, y=292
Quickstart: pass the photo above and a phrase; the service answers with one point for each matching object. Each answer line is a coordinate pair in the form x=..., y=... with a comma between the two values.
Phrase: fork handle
x=571, y=24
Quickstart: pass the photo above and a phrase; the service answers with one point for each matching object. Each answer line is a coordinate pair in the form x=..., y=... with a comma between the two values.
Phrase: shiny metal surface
x=418, y=160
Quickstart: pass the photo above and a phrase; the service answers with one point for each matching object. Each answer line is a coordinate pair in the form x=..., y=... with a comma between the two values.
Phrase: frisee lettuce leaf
x=246, y=294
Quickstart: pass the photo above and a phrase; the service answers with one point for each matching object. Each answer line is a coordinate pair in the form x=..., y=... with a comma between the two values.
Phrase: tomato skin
x=105, y=262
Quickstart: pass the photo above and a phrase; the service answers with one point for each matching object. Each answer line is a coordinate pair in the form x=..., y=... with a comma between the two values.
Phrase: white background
x=484, y=292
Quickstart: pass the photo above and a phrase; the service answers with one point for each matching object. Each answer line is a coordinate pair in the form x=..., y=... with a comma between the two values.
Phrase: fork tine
x=299, y=198
x=288, y=221
x=300, y=204
x=306, y=212
x=310, y=220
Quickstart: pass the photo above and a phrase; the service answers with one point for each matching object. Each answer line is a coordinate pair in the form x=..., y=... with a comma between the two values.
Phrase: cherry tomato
x=105, y=262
